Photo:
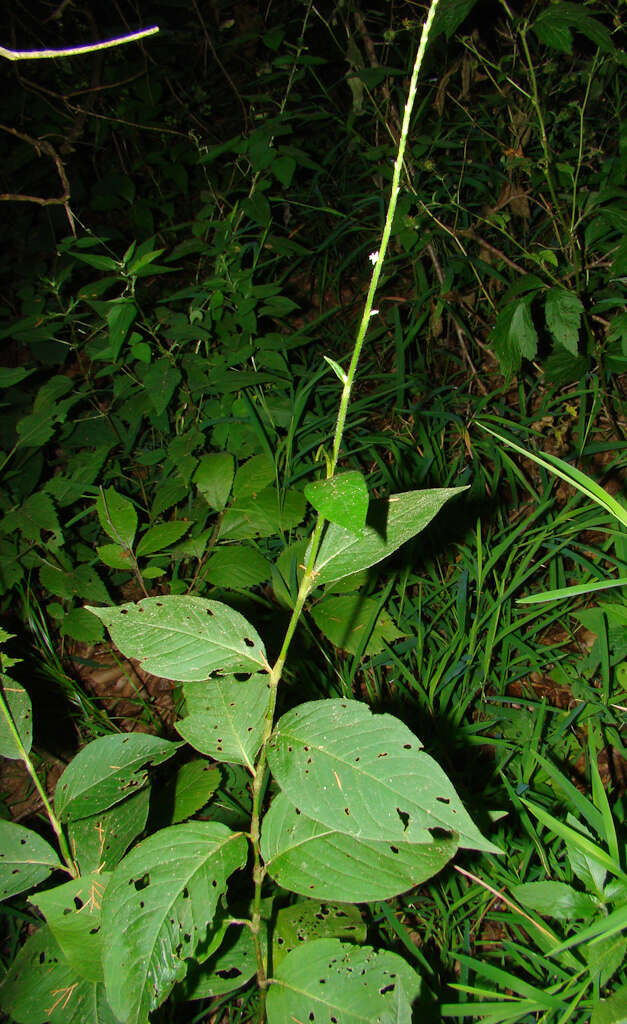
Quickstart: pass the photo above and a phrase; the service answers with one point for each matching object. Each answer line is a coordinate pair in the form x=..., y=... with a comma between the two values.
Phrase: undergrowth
x=180, y=299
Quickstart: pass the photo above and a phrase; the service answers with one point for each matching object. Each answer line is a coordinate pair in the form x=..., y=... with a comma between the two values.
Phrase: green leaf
x=612, y=1010
x=257, y=208
x=283, y=169
x=226, y=718
x=18, y=705
x=41, y=988
x=228, y=969
x=556, y=899
x=262, y=515
x=366, y=775
x=253, y=476
x=310, y=920
x=157, y=908
x=563, y=311
x=36, y=514
x=10, y=376
x=194, y=784
x=342, y=499
x=99, y=842
x=391, y=521
x=214, y=477
x=72, y=911
x=184, y=638
x=117, y=516
x=351, y=984
x=314, y=860
x=514, y=336
x=449, y=16
x=160, y=381
x=238, y=568
x=106, y=771
x=554, y=26
x=25, y=859
x=115, y=556
x=161, y=536
x=37, y=428
x=348, y=619
x=120, y=316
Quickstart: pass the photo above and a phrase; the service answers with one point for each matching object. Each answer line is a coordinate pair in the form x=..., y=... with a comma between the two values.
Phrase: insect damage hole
x=404, y=816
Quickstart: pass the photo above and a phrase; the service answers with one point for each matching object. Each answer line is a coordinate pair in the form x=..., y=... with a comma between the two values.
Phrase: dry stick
x=42, y=147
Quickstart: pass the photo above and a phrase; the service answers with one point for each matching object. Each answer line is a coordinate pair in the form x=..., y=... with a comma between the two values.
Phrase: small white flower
x=373, y=257
x=374, y=312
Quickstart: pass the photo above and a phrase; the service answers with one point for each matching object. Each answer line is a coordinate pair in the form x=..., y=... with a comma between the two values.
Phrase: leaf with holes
x=312, y=919
x=16, y=712
x=25, y=859
x=314, y=860
x=228, y=969
x=329, y=980
x=342, y=499
x=226, y=718
x=157, y=909
x=40, y=987
x=366, y=775
x=389, y=524
x=355, y=623
x=101, y=840
x=106, y=771
x=184, y=638
x=72, y=911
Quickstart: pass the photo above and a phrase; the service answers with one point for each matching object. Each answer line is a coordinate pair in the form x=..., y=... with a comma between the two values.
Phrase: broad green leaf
x=81, y=626
x=193, y=785
x=346, y=620
x=555, y=24
x=184, y=638
x=343, y=499
x=253, y=476
x=157, y=908
x=72, y=912
x=366, y=775
x=328, y=979
x=263, y=514
x=238, y=567
x=117, y=516
x=556, y=899
x=100, y=841
x=37, y=513
x=563, y=311
x=283, y=169
x=226, y=718
x=41, y=988
x=390, y=523
x=231, y=966
x=25, y=859
x=214, y=478
x=106, y=771
x=449, y=16
x=115, y=556
x=161, y=536
x=612, y=1010
x=10, y=376
x=514, y=335
x=314, y=860
x=310, y=920
x=161, y=381
x=17, y=704
x=37, y=428
x=120, y=316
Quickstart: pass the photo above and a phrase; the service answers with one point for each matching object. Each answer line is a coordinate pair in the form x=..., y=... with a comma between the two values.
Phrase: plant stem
x=385, y=237
x=70, y=866
x=308, y=578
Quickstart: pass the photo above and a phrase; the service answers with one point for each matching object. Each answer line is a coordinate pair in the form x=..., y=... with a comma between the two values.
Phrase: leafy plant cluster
x=170, y=449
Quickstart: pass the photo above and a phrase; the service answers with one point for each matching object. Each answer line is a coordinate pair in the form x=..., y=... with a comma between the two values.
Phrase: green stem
x=54, y=821
x=385, y=237
x=309, y=575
